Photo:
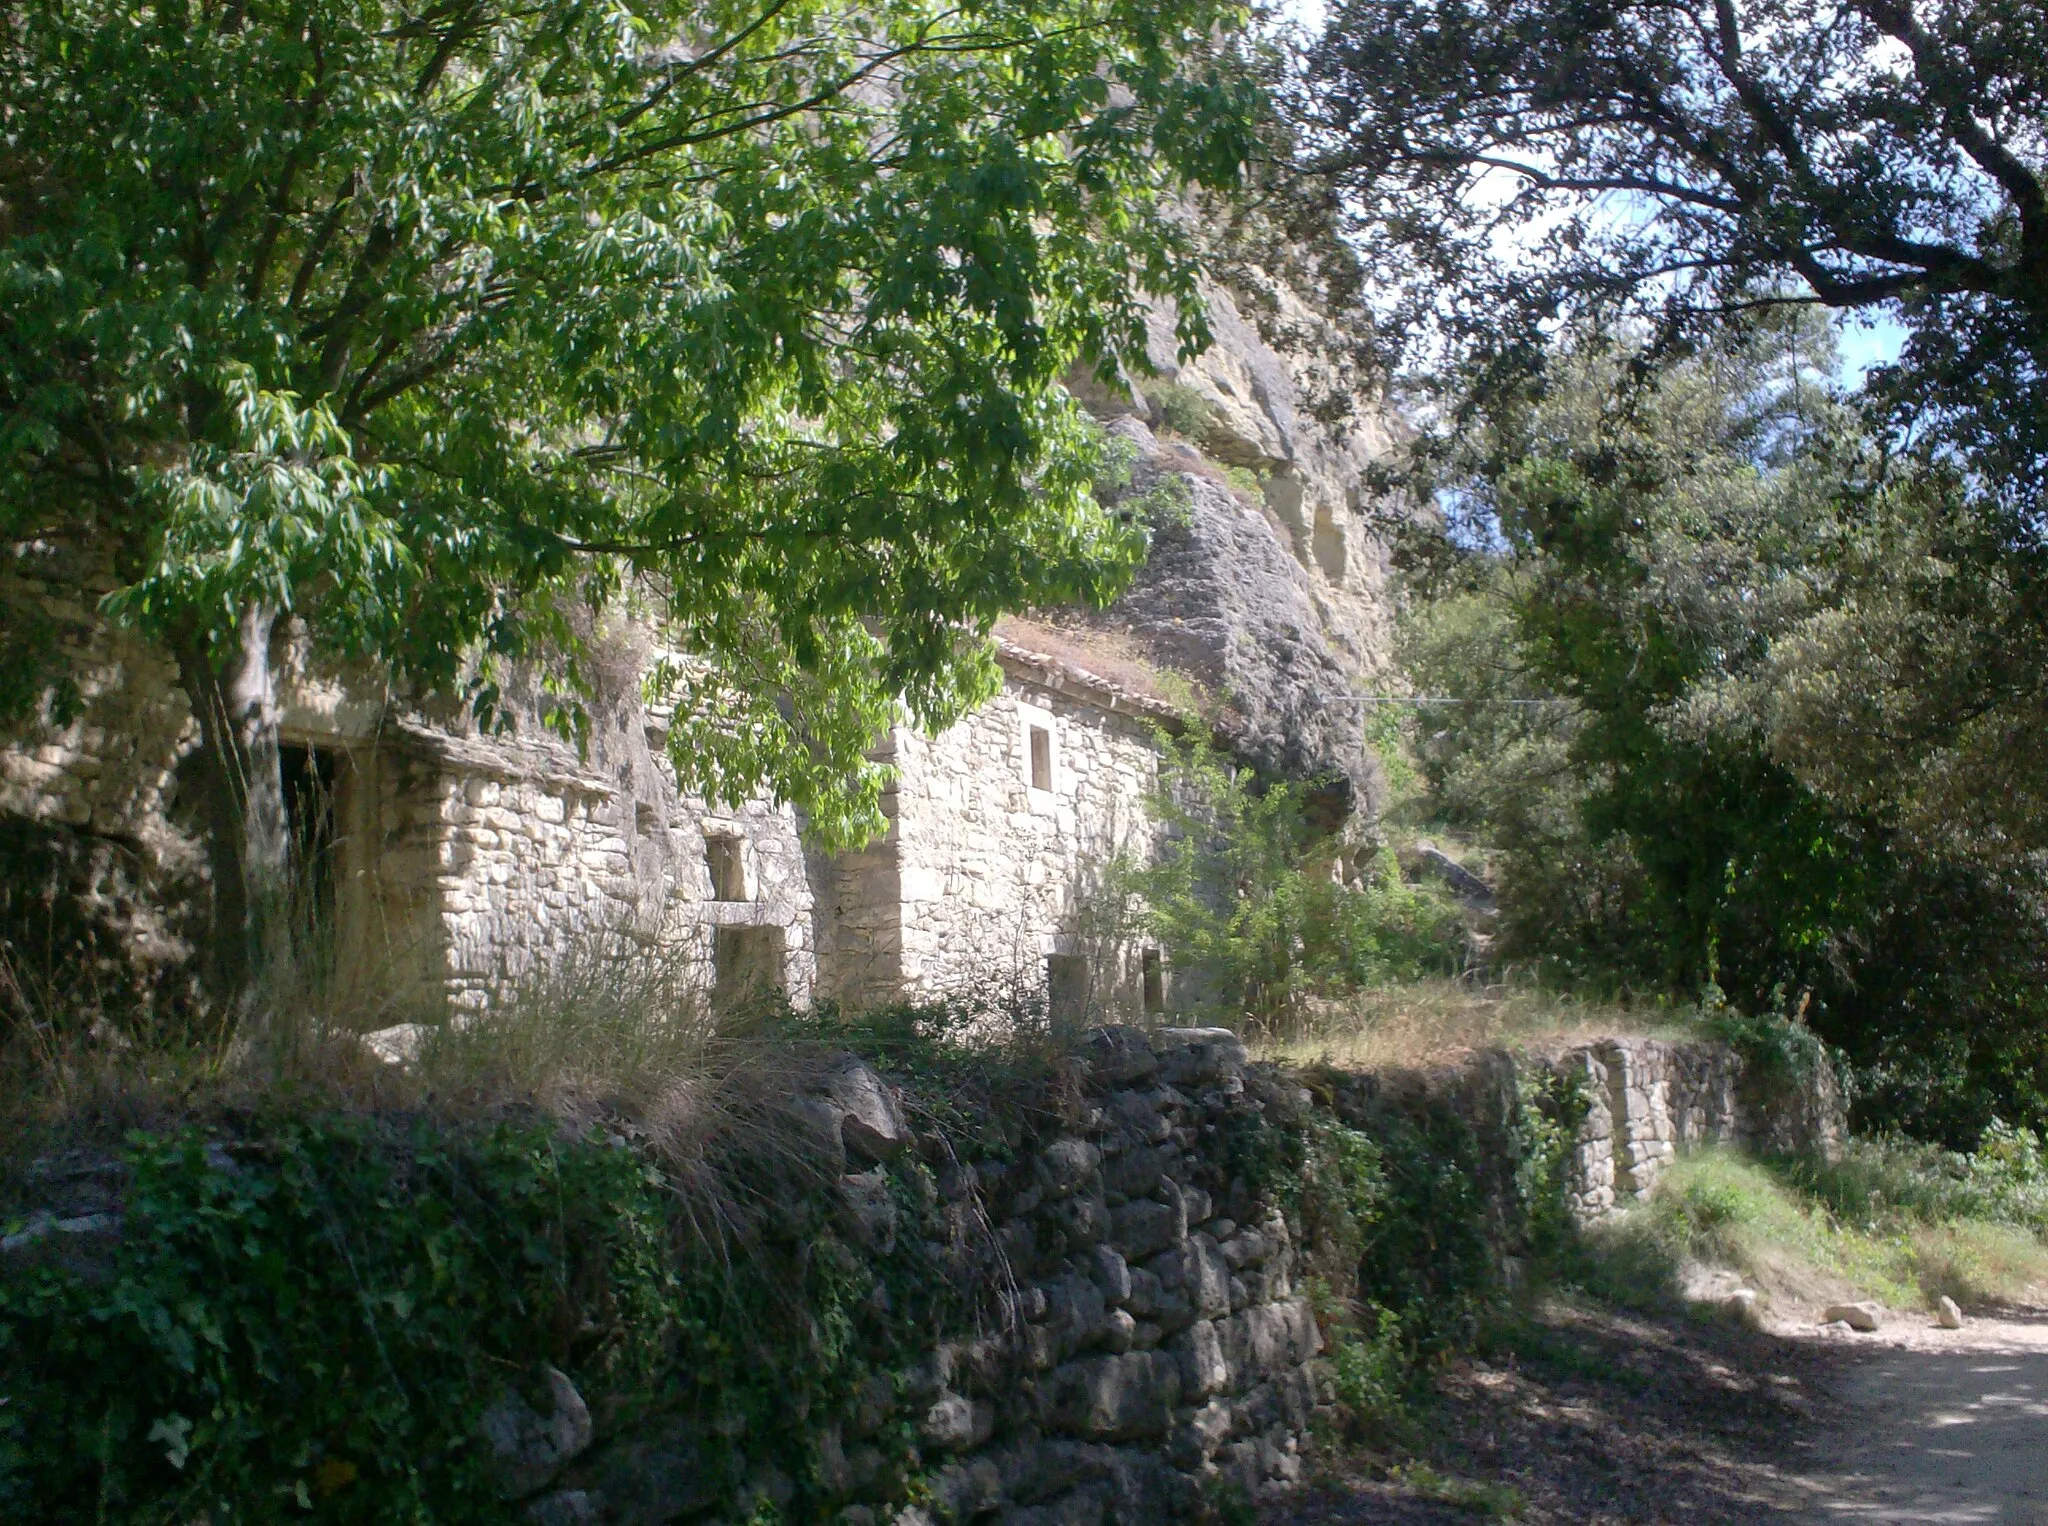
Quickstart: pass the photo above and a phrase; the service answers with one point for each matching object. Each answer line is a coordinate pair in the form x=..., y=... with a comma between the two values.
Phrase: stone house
x=443, y=868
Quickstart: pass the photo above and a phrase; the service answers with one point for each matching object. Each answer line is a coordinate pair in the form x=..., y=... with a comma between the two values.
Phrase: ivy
x=307, y=1322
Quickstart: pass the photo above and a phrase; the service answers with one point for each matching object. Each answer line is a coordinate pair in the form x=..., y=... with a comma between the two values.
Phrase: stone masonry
x=999, y=831
x=1648, y=1099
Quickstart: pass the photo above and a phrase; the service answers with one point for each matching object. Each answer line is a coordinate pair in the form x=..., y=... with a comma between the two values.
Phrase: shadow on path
x=1924, y=1434
x=1589, y=1415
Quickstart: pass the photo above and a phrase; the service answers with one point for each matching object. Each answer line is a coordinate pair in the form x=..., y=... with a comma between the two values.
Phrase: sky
x=1867, y=341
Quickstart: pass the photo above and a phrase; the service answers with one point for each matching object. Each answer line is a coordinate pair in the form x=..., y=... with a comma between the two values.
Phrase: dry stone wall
x=1157, y=1352
x=1646, y=1100
x=1157, y=1356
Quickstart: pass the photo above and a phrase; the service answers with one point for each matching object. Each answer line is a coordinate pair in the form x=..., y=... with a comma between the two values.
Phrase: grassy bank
x=1899, y=1224
x=1441, y=1021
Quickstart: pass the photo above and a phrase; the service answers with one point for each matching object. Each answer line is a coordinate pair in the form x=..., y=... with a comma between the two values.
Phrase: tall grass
x=1431, y=1022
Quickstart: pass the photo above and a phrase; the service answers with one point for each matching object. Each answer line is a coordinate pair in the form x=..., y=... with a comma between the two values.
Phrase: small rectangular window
x=726, y=858
x=1155, y=981
x=1041, y=758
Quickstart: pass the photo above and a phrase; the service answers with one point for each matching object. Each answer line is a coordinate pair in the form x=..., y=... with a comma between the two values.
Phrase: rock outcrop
x=1268, y=590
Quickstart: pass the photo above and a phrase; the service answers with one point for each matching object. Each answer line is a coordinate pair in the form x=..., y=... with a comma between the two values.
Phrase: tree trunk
x=229, y=683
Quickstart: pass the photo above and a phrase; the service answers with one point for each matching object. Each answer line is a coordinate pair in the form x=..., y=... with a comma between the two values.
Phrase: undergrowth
x=312, y=1312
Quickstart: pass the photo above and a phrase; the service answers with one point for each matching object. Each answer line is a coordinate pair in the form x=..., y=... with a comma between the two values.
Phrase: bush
x=318, y=1317
x=1241, y=892
x=312, y=1314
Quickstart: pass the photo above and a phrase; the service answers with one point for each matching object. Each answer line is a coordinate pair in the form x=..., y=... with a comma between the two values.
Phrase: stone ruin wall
x=465, y=864
x=1159, y=1353
x=1156, y=1344
x=462, y=864
x=981, y=876
x=1648, y=1100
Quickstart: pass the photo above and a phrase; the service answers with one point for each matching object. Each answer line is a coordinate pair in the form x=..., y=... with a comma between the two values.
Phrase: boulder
x=528, y=1448
x=1201, y=1055
x=1065, y=1164
x=1118, y=1055
x=871, y=1121
x=1946, y=1313
x=1857, y=1316
x=397, y=1045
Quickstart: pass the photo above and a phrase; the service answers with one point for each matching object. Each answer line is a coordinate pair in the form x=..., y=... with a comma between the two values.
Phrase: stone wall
x=1155, y=1350
x=1156, y=1353
x=982, y=875
x=1648, y=1099
x=461, y=864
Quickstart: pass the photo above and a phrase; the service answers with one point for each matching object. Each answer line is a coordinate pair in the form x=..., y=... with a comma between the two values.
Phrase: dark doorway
x=312, y=793
x=1066, y=987
x=1154, y=968
x=746, y=964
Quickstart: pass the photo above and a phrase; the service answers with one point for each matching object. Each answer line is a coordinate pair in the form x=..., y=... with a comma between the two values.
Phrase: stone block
x=1122, y=1398
x=1144, y=1228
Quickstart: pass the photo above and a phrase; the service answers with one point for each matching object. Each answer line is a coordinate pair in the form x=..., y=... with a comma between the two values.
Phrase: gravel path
x=1939, y=1426
x=1588, y=1415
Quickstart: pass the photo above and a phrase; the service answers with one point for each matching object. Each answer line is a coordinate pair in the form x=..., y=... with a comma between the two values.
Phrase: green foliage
x=1244, y=894
x=2004, y=1180
x=313, y=1317
x=1618, y=742
x=1246, y=483
x=1405, y=1212
x=1897, y=1223
x=437, y=325
x=1180, y=408
x=1872, y=157
x=320, y=1319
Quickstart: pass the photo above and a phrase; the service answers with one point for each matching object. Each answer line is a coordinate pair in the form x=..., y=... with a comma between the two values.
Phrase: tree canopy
x=1517, y=169
x=1641, y=735
x=1512, y=160
x=433, y=322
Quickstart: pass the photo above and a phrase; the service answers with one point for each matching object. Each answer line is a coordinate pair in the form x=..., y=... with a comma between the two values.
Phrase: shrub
x=1242, y=893
x=313, y=1314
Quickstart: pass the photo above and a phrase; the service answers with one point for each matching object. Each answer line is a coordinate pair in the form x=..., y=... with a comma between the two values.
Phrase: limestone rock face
x=1272, y=595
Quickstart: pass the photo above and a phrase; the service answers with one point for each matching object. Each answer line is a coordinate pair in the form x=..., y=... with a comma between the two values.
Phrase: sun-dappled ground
x=1585, y=1414
x=1631, y=1391
x=1581, y=1413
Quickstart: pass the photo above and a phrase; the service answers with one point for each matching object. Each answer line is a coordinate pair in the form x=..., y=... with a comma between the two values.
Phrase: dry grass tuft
x=1432, y=1023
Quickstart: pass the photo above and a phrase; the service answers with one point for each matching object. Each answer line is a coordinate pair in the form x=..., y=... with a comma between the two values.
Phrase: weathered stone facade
x=459, y=865
x=999, y=832
x=454, y=866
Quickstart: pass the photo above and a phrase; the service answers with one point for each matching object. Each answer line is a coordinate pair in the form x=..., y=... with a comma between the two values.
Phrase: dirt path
x=1588, y=1415
x=1938, y=1426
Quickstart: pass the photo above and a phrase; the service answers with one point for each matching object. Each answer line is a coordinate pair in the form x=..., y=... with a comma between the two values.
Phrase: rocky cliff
x=1268, y=592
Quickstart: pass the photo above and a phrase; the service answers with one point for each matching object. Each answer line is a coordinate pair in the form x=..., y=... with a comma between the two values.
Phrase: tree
x=430, y=323
x=1678, y=171
x=1620, y=648
x=1700, y=161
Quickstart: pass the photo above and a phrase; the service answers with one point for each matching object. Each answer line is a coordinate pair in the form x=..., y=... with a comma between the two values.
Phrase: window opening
x=726, y=858
x=1041, y=758
x=1155, y=981
x=747, y=964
